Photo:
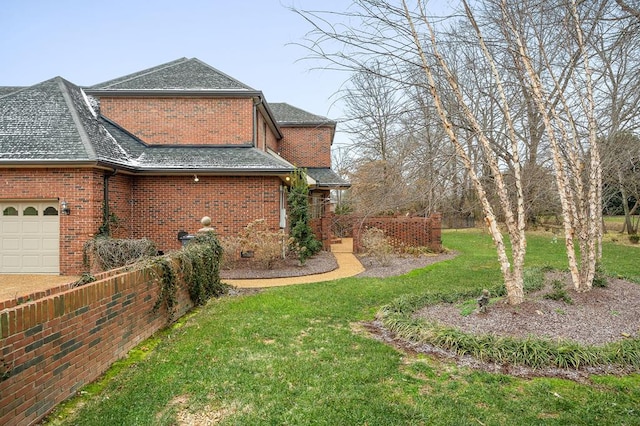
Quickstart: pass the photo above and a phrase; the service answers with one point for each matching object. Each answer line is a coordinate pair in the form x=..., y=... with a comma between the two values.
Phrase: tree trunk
x=513, y=277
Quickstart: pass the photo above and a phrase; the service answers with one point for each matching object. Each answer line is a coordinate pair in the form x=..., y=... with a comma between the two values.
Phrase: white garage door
x=29, y=237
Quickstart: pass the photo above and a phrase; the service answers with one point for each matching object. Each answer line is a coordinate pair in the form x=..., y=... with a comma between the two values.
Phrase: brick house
x=147, y=155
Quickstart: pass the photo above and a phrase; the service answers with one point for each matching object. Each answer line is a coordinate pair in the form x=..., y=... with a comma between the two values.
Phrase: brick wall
x=322, y=229
x=266, y=137
x=80, y=188
x=120, y=205
x=402, y=231
x=50, y=347
x=164, y=205
x=307, y=146
x=183, y=121
x=154, y=207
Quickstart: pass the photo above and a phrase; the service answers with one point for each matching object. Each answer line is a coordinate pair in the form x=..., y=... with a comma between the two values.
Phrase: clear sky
x=88, y=42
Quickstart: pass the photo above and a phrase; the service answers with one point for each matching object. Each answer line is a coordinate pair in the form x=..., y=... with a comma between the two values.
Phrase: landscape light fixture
x=64, y=207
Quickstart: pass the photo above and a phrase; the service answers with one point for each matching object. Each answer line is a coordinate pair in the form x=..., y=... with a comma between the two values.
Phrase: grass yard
x=299, y=356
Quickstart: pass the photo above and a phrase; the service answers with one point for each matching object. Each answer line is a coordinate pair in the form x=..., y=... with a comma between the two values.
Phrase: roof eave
x=327, y=123
x=264, y=107
x=332, y=186
x=47, y=163
x=162, y=93
x=211, y=172
x=141, y=169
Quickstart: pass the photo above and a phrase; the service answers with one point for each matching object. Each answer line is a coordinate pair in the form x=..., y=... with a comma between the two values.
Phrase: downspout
x=256, y=101
x=106, y=229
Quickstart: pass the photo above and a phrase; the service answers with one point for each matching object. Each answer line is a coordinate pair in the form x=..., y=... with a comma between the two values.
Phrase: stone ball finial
x=205, y=221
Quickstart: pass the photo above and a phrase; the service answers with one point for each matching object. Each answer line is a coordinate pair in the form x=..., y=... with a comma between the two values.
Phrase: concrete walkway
x=15, y=285
x=348, y=266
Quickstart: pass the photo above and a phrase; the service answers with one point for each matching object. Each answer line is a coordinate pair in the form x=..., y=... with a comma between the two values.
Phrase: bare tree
x=373, y=113
x=627, y=7
x=573, y=142
x=621, y=169
x=617, y=61
x=398, y=38
x=521, y=93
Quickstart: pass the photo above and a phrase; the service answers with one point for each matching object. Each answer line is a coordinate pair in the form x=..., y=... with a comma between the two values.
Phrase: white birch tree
x=538, y=48
x=394, y=36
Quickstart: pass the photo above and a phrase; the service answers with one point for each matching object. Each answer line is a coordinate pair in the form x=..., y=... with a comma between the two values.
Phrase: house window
x=51, y=211
x=30, y=211
x=316, y=206
x=10, y=211
x=283, y=207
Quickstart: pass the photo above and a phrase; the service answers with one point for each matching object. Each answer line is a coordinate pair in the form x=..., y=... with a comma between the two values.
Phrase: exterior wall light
x=195, y=178
x=64, y=207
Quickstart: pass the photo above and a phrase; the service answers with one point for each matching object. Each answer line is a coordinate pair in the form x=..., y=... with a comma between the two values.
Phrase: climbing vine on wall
x=197, y=265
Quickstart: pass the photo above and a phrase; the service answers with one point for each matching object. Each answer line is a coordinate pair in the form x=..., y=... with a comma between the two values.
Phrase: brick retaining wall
x=54, y=345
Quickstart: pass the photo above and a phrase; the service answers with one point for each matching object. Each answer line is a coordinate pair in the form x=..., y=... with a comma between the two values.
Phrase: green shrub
x=600, y=278
x=558, y=293
x=303, y=240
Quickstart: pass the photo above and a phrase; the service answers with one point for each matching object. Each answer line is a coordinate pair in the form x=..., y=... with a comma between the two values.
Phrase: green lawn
x=299, y=355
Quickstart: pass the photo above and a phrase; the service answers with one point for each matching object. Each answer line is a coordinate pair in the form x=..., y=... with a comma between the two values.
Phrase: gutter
x=162, y=93
x=141, y=171
x=273, y=124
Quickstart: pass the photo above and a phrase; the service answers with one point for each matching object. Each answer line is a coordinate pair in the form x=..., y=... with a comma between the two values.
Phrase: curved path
x=14, y=285
x=348, y=266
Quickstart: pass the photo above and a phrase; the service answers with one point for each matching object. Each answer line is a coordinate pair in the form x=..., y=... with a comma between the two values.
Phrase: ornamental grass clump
x=108, y=253
x=559, y=293
x=231, y=249
x=377, y=245
x=267, y=247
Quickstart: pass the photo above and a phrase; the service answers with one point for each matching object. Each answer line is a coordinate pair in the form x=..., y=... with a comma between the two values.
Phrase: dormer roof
x=288, y=115
x=183, y=74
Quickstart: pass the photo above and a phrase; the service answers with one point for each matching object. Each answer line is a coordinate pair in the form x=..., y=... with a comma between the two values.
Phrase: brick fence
x=322, y=229
x=67, y=338
x=402, y=231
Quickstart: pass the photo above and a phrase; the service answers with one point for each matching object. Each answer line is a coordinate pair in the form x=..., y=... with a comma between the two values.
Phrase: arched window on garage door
x=30, y=211
x=10, y=211
x=50, y=211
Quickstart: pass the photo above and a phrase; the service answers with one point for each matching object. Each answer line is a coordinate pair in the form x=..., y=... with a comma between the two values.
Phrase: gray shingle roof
x=212, y=158
x=182, y=74
x=243, y=158
x=327, y=178
x=5, y=90
x=286, y=114
x=222, y=158
x=40, y=123
x=54, y=122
